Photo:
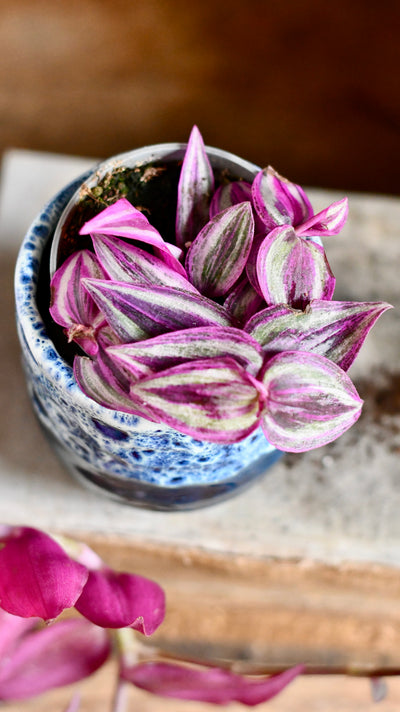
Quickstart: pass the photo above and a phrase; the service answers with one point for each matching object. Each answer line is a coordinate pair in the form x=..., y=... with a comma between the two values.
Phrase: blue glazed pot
x=130, y=458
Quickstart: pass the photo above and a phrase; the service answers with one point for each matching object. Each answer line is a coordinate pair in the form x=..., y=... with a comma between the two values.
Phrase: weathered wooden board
x=304, y=565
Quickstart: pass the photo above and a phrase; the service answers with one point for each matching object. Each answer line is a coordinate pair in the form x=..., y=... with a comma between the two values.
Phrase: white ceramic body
x=128, y=457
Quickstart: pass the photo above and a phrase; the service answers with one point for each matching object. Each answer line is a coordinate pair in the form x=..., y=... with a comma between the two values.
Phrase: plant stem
x=119, y=703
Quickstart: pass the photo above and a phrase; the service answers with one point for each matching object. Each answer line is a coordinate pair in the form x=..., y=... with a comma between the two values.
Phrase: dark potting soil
x=151, y=188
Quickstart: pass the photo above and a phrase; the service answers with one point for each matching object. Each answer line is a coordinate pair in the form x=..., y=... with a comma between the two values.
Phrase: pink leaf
x=243, y=302
x=71, y=306
x=118, y=600
x=219, y=253
x=124, y=262
x=212, y=685
x=177, y=347
x=211, y=399
x=105, y=389
x=328, y=222
x=278, y=201
x=292, y=270
x=229, y=194
x=196, y=184
x=336, y=330
x=309, y=401
x=37, y=578
x=135, y=313
x=123, y=220
x=62, y=653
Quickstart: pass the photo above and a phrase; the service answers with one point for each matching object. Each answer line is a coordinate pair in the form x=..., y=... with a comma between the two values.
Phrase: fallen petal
x=309, y=402
x=219, y=253
x=12, y=630
x=37, y=578
x=118, y=600
x=62, y=653
x=212, y=685
x=195, y=187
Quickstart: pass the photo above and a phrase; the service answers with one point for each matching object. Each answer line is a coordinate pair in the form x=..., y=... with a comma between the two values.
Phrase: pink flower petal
x=12, y=630
x=118, y=600
x=62, y=653
x=37, y=578
x=212, y=685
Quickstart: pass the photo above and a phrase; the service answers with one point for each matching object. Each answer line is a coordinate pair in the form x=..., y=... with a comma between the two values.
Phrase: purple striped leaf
x=113, y=599
x=61, y=653
x=71, y=306
x=277, y=201
x=211, y=685
x=336, y=330
x=309, y=401
x=230, y=194
x=292, y=270
x=195, y=187
x=136, y=313
x=328, y=222
x=123, y=220
x=167, y=350
x=124, y=262
x=219, y=253
x=210, y=399
x=106, y=391
x=251, y=265
x=243, y=301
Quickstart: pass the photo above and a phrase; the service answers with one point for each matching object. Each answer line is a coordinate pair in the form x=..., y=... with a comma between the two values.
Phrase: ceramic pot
x=130, y=458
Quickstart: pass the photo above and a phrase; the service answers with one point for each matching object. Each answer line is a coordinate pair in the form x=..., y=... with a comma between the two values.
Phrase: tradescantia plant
x=230, y=328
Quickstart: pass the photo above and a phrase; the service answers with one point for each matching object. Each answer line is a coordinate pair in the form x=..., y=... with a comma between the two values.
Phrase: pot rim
x=145, y=154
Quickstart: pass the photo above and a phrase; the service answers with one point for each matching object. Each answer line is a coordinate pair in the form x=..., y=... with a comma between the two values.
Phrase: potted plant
x=190, y=335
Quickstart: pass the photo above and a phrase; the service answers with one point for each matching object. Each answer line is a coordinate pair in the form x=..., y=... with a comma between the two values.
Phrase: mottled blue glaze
x=128, y=457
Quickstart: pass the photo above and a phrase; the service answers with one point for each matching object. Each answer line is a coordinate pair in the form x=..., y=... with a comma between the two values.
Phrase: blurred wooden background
x=310, y=87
